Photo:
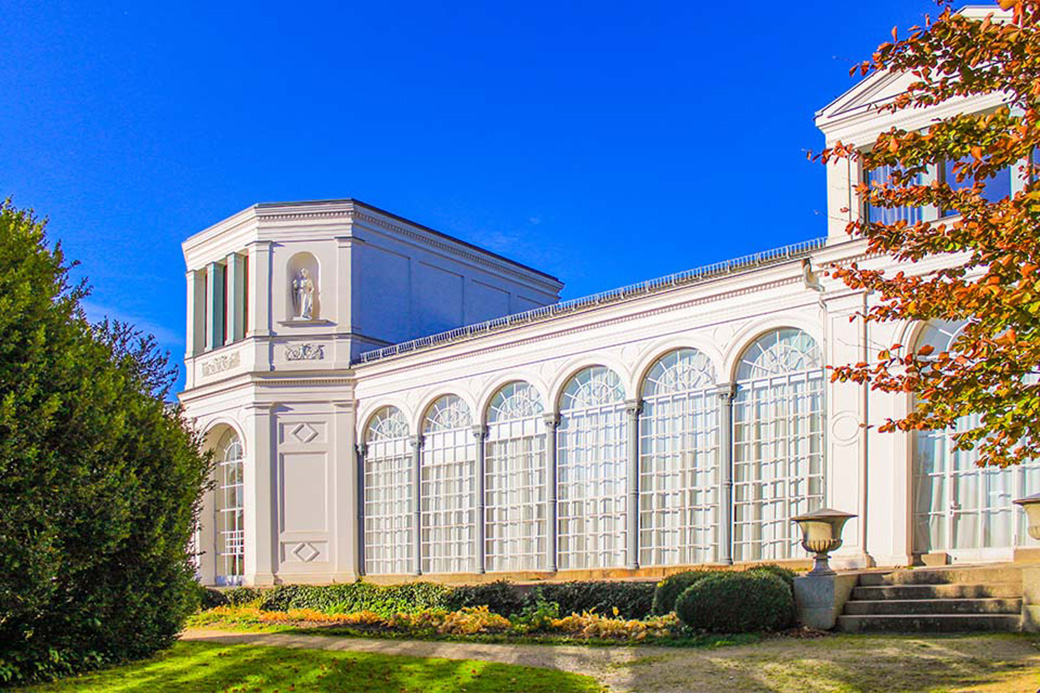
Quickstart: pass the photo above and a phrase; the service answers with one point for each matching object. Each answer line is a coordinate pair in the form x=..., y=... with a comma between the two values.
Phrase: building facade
x=389, y=402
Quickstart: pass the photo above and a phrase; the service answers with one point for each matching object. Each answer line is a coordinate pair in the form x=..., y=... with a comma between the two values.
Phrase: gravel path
x=850, y=663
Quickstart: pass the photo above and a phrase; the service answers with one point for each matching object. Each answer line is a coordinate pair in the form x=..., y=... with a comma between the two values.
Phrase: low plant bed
x=474, y=624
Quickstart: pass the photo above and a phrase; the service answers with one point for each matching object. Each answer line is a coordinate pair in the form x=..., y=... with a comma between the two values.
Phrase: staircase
x=934, y=600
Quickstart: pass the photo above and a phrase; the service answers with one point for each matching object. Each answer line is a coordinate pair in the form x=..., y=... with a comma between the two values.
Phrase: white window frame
x=230, y=512
x=388, y=495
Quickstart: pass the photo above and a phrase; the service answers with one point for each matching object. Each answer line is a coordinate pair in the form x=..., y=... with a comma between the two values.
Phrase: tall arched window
x=388, y=484
x=959, y=507
x=679, y=461
x=515, y=480
x=230, y=534
x=448, y=488
x=590, y=474
x=778, y=457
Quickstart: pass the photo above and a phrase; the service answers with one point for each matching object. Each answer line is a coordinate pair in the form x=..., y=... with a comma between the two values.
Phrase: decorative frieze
x=219, y=364
x=304, y=352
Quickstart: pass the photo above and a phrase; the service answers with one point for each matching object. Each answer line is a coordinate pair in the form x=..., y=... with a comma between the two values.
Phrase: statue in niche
x=303, y=295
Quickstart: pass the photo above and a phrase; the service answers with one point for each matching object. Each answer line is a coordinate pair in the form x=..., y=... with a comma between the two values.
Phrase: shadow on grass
x=197, y=666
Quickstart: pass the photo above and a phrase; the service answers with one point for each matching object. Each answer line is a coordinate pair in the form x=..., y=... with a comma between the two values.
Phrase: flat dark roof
x=453, y=239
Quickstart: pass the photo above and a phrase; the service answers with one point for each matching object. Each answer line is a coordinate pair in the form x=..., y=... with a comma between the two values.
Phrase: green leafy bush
x=785, y=574
x=500, y=597
x=243, y=596
x=407, y=598
x=632, y=599
x=737, y=602
x=669, y=589
x=535, y=617
x=99, y=478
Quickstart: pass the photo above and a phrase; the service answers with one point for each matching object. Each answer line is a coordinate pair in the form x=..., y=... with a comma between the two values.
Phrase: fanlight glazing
x=230, y=510
x=679, y=461
x=592, y=440
x=960, y=508
x=516, y=481
x=448, y=488
x=778, y=443
x=387, y=492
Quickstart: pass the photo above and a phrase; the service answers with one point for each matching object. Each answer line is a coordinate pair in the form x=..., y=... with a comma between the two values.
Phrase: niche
x=303, y=288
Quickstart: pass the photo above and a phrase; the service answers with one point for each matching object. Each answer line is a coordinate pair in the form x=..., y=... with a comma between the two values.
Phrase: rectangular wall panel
x=303, y=477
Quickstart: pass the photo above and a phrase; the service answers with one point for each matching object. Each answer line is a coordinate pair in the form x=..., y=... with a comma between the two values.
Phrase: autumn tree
x=991, y=279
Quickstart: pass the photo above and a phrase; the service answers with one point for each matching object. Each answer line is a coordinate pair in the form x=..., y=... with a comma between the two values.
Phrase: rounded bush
x=785, y=574
x=732, y=602
x=669, y=589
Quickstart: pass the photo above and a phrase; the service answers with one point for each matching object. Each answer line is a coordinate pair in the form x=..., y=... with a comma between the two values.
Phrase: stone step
x=917, y=607
x=934, y=623
x=1006, y=590
x=942, y=576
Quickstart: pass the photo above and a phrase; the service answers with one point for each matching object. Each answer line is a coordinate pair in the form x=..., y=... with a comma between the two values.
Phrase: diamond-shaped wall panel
x=304, y=432
x=305, y=552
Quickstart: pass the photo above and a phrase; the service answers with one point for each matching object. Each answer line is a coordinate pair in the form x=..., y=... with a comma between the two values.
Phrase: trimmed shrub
x=669, y=589
x=785, y=574
x=500, y=597
x=243, y=596
x=632, y=600
x=737, y=602
x=406, y=598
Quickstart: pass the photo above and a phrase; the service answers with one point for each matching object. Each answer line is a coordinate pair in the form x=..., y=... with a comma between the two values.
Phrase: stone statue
x=303, y=295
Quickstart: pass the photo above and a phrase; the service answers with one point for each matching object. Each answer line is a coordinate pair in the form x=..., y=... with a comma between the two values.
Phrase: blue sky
x=605, y=143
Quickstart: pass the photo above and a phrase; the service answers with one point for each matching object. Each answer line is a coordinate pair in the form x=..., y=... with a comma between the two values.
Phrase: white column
x=552, y=529
x=215, y=305
x=725, y=393
x=479, y=434
x=632, y=409
x=417, y=443
x=258, y=488
x=346, y=567
x=236, y=298
x=195, y=340
x=362, y=452
x=347, y=284
x=259, y=289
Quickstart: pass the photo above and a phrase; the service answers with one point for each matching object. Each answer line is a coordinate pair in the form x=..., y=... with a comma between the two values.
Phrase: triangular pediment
x=872, y=91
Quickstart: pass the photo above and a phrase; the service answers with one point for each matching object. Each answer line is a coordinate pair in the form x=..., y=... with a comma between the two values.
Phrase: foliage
x=597, y=626
x=535, y=617
x=785, y=574
x=631, y=599
x=669, y=589
x=243, y=596
x=412, y=597
x=990, y=249
x=500, y=596
x=99, y=478
x=737, y=602
x=198, y=666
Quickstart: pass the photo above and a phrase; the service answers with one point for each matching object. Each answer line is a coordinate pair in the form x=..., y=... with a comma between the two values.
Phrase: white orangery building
x=387, y=401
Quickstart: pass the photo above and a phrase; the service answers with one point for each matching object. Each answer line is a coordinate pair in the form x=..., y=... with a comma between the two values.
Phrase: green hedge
x=500, y=596
x=669, y=589
x=411, y=597
x=631, y=599
x=737, y=602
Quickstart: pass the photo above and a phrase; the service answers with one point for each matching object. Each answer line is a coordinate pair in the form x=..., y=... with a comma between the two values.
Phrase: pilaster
x=258, y=488
x=259, y=289
x=632, y=409
x=361, y=452
x=725, y=392
x=346, y=483
x=479, y=435
x=417, y=444
x=552, y=421
x=236, y=298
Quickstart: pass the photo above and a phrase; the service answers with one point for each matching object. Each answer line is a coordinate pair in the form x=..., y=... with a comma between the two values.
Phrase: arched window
x=230, y=534
x=778, y=418
x=388, y=484
x=448, y=476
x=679, y=461
x=515, y=481
x=590, y=474
x=959, y=507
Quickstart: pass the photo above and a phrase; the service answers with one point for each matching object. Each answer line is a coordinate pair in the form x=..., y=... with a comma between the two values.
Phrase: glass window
x=997, y=188
x=885, y=215
x=679, y=461
x=388, y=492
x=778, y=456
x=591, y=477
x=230, y=509
x=448, y=488
x=515, y=481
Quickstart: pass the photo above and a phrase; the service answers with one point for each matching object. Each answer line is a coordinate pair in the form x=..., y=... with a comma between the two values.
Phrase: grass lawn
x=199, y=667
